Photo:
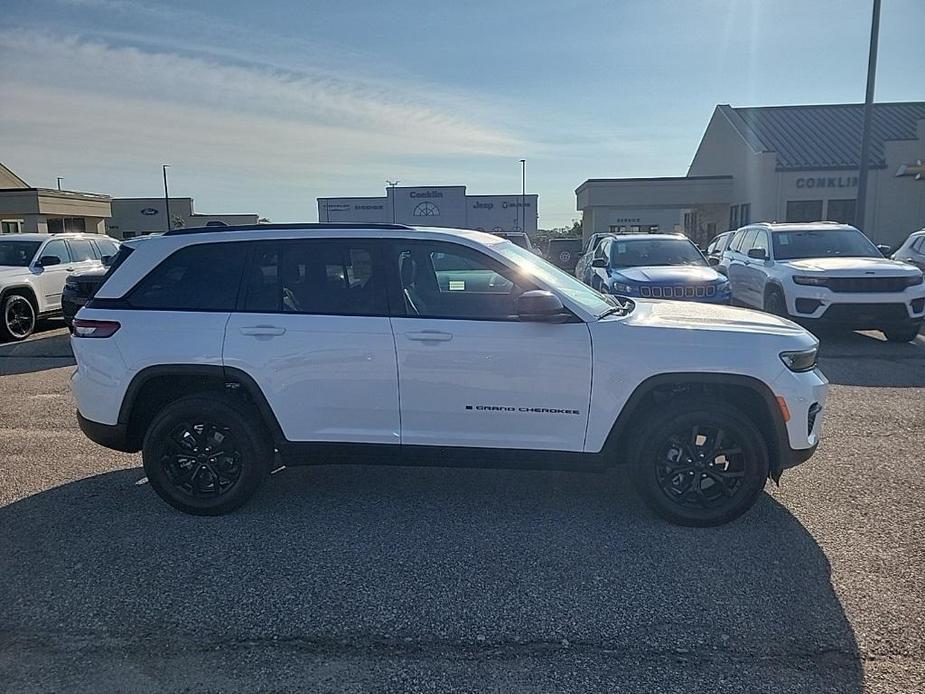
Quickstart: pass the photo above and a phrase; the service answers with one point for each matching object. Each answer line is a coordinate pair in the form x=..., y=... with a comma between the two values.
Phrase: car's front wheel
x=205, y=455
x=774, y=302
x=699, y=462
x=906, y=333
x=18, y=319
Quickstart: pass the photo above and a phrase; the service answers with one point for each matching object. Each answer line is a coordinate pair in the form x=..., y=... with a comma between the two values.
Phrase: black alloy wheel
x=206, y=454
x=700, y=467
x=18, y=317
x=201, y=459
x=699, y=461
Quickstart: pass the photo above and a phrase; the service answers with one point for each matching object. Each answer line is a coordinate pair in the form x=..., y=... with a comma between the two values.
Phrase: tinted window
x=315, y=277
x=58, y=249
x=18, y=253
x=81, y=250
x=442, y=280
x=204, y=277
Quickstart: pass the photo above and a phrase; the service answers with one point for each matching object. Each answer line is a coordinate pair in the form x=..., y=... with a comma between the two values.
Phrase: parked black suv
x=564, y=253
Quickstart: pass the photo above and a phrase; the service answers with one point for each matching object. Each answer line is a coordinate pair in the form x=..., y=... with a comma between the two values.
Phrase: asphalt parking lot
x=395, y=579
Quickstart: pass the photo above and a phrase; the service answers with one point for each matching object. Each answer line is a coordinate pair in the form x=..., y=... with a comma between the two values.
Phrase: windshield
x=649, y=252
x=530, y=263
x=848, y=243
x=18, y=253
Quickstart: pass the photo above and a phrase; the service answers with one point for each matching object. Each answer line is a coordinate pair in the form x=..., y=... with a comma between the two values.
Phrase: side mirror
x=757, y=254
x=49, y=260
x=599, y=262
x=106, y=259
x=713, y=260
x=884, y=250
x=540, y=306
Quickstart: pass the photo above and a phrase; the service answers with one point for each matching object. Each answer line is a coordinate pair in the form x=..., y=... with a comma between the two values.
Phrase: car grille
x=866, y=284
x=678, y=292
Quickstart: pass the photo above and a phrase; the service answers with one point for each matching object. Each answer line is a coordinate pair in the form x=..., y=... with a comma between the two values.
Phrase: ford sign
x=148, y=211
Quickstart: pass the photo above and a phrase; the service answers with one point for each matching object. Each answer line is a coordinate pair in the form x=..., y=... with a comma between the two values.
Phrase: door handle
x=430, y=336
x=258, y=330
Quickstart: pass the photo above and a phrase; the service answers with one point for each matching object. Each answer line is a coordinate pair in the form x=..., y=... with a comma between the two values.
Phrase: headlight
x=620, y=288
x=812, y=281
x=915, y=280
x=804, y=360
x=722, y=287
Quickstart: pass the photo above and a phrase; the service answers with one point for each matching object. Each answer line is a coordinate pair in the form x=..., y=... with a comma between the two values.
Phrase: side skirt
x=436, y=456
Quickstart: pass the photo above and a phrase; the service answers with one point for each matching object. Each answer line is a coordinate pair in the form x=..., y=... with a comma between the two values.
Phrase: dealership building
x=139, y=216
x=781, y=163
x=27, y=209
x=436, y=206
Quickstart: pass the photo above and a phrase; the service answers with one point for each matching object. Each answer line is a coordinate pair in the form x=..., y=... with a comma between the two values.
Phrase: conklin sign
x=828, y=182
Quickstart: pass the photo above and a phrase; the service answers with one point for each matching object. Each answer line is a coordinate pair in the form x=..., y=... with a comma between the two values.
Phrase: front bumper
x=856, y=310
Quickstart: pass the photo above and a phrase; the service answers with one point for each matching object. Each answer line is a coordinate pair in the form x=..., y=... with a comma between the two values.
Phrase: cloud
x=96, y=104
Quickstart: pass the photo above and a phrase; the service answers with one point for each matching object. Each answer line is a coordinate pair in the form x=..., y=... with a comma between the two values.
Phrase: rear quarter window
x=204, y=277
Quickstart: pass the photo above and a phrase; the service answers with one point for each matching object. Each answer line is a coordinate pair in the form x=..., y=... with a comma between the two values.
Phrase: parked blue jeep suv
x=656, y=266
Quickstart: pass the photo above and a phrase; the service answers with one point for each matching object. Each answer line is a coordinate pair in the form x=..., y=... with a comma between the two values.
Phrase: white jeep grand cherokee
x=220, y=353
x=33, y=270
x=825, y=273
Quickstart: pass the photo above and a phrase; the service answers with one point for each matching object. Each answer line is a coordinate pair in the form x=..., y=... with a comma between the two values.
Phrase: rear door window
x=204, y=277
x=320, y=277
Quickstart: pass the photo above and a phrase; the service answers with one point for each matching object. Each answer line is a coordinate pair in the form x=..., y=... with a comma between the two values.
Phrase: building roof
x=10, y=180
x=824, y=136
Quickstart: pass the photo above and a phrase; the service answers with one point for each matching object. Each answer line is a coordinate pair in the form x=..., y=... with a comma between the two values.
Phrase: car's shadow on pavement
x=867, y=359
x=361, y=578
x=48, y=348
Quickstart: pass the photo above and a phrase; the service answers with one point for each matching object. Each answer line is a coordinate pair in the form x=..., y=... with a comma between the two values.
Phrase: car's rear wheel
x=205, y=455
x=774, y=302
x=699, y=462
x=906, y=333
x=18, y=319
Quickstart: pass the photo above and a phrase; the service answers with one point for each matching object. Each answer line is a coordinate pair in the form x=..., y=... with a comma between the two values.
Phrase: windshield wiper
x=618, y=308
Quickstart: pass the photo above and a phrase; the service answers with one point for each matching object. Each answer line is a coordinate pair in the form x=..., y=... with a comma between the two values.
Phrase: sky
x=262, y=107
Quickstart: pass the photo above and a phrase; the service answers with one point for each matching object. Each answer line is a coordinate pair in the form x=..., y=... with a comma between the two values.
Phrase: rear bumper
x=113, y=436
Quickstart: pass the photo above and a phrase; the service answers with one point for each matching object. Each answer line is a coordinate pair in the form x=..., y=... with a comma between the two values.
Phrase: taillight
x=95, y=328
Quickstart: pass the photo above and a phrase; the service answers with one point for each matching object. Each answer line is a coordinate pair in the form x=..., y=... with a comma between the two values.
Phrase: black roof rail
x=308, y=226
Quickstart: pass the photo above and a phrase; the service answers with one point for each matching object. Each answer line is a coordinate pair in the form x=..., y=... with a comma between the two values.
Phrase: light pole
x=166, y=195
x=59, y=182
x=861, y=204
x=392, y=185
x=523, y=195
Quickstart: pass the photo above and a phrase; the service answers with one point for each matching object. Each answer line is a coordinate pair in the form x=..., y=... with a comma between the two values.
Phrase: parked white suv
x=825, y=273
x=912, y=250
x=221, y=353
x=33, y=269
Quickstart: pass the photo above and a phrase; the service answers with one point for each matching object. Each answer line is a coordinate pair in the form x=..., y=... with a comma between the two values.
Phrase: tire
x=906, y=333
x=180, y=459
x=673, y=471
x=17, y=317
x=774, y=302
